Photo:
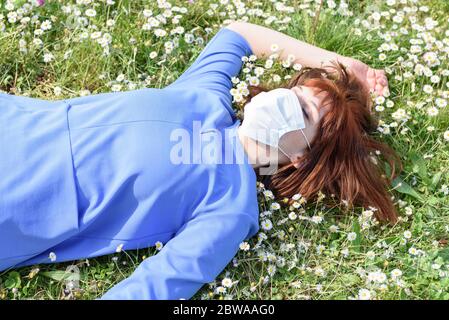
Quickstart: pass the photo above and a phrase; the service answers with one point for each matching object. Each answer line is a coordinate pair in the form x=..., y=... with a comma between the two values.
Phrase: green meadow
x=65, y=49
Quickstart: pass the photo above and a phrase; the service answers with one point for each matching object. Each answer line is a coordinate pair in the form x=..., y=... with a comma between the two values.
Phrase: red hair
x=342, y=158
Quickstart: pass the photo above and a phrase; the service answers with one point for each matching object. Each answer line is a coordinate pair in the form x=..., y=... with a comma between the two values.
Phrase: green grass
x=311, y=261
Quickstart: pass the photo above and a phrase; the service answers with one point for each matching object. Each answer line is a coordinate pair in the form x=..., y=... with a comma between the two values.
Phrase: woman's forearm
x=261, y=38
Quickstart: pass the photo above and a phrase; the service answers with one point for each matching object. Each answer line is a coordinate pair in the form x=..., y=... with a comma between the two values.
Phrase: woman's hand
x=375, y=80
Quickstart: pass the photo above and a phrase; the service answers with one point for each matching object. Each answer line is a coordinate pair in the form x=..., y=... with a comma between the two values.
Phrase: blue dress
x=82, y=177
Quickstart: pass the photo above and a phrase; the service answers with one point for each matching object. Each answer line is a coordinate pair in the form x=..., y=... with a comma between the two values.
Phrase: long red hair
x=342, y=160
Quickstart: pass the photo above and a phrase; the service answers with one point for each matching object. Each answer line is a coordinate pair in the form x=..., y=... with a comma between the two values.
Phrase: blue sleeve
x=217, y=63
x=196, y=255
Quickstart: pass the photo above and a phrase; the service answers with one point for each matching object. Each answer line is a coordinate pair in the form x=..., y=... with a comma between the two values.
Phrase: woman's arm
x=196, y=255
x=261, y=38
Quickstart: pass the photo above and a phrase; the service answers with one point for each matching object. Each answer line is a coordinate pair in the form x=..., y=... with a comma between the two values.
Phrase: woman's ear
x=296, y=164
x=296, y=159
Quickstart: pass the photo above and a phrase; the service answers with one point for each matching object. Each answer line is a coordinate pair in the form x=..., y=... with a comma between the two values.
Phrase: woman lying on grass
x=88, y=176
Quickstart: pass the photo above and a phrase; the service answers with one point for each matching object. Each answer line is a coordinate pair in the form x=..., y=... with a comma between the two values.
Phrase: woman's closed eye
x=309, y=106
x=303, y=108
x=305, y=113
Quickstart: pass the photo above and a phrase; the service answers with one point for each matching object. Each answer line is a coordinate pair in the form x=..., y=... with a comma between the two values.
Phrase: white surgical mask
x=270, y=115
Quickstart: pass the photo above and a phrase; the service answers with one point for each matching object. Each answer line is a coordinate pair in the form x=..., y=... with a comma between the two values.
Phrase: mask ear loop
x=308, y=144
x=283, y=152
x=292, y=161
x=306, y=139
